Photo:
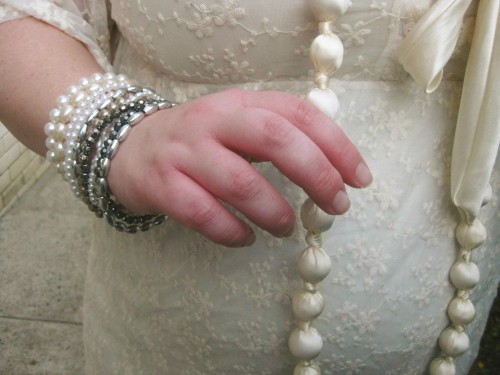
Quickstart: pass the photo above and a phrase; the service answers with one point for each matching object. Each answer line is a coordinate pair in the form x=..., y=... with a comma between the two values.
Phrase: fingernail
x=363, y=175
x=250, y=239
x=341, y=202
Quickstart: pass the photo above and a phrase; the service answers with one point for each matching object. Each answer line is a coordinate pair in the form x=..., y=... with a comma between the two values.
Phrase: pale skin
x=183, y=161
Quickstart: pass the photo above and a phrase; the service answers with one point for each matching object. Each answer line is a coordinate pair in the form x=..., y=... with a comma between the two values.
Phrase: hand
x=181, y=161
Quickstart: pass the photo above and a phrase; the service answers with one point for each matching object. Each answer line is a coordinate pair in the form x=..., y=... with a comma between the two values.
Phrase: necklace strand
x=313, y=264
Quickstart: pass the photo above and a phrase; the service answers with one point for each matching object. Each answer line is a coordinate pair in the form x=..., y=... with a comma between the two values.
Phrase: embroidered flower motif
x=201, y=25
x=226, y=12
x=354, y=35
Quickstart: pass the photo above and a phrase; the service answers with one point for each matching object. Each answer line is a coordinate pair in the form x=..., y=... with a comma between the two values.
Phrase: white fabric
x=169, y=302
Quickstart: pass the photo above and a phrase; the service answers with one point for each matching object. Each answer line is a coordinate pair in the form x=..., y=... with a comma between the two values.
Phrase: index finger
x=325, y=133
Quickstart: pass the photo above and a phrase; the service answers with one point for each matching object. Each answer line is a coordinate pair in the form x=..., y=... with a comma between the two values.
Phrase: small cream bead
x=464, y=275
x=441, y=366
x=471, y=236
x=313, y=265
x=453, y=342
x=326, y=53
x=328, y=10
x=461, y=311
x=314, y=219
x=307, y=369
x=305, y=344
x=66, y=112
x=78, y=97
x=307, y=306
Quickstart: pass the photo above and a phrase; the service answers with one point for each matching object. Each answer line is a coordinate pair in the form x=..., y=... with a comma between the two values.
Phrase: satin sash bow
x=423, y=54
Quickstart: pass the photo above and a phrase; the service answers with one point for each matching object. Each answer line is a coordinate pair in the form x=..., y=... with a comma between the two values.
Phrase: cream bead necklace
x=313, y=264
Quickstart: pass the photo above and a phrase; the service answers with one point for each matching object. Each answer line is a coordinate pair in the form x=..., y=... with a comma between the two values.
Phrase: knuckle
x=276, y=133
x=306, y=113
x=200, y=214
x=243, y=184
x=323, y=178
x=200, y=109
x=344, y=149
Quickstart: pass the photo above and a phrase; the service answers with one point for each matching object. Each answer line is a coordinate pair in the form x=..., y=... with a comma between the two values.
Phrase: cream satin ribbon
x=423, y=54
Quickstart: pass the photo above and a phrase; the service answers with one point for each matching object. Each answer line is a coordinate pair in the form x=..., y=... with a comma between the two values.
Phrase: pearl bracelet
x=70, y=114
x=84, y=133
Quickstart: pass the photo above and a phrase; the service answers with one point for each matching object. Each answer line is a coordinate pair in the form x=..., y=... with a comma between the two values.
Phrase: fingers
x=333, y=142
x=187, y=202
x=233, y=180
x=268, y=136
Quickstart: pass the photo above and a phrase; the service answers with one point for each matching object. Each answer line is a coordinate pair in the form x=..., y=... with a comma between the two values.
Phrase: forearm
x=38, y=62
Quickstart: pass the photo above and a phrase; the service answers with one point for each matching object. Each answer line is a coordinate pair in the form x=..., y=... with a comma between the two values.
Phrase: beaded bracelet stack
x=84, y=134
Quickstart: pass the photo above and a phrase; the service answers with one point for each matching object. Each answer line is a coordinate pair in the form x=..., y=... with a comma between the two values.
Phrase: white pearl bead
x=307, y=369
x=461, y=311
x=97, y=77
x=49, y=129
x=305, y=344
x=326, y=53
x=325, y=100
x=50, y=156
x=314, y=219
x=63, y=99
x=109, y=76
x=313, y=265
x=328, y=10
x=84, y=82
x=54, y=115
x=453, y=342
x=307, y=306
x=464, y=275
x=440, y=366
x=471, y=236
x=50, y=143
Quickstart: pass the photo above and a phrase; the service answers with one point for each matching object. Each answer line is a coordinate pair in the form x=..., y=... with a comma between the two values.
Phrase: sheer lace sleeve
x=87, y=21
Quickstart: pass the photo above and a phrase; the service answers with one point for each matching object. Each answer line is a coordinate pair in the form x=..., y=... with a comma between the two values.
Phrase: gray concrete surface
x=43, y=248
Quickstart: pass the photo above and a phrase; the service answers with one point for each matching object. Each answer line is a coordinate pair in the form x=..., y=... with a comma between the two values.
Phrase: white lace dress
x=170, y=302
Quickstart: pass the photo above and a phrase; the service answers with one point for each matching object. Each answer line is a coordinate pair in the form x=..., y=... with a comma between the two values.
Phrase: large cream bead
x=471, y=236
x=464, y=275
x=314, y=219
x=440, y=366
x=307, y=306
x=326, y=53
x=453, y=342
x=325, y=100
x=328, y=10
x=307, y=369
x=305, y=344
x=461, y=311
x=313, y=265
